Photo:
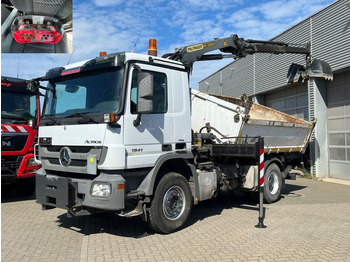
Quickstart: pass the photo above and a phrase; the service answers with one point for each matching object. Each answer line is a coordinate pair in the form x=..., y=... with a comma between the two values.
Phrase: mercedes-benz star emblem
x=65, y=159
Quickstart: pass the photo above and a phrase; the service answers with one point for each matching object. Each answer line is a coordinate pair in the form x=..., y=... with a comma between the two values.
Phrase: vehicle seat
x=60, y=9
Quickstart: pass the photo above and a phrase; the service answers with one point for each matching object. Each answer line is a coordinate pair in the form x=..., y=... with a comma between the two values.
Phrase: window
x=337, y=139
x=291, y=102
x=89, y=93
x=160, y=101
x=337, y=154
x=70, y=100
x=18, y=105
x=295, y=105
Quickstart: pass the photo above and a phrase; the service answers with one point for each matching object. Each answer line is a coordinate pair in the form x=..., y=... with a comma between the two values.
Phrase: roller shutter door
x=338, y=104
x=291, y=100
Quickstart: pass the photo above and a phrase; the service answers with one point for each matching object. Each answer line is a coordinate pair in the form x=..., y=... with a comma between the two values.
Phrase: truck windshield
x=18, y=106
x=84, y=93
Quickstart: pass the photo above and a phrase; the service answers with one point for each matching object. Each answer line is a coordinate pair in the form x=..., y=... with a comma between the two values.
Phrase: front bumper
x=17, y=167
x=74, y=194
x=9, y=167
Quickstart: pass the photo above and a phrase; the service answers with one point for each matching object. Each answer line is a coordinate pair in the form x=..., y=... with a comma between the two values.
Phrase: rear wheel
x=171, y=205
x=272, y=183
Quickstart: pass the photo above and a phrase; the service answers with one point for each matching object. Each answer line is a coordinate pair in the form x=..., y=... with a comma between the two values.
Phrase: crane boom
x=239, y=48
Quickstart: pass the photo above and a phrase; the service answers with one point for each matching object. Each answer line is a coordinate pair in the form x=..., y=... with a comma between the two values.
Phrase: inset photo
x=33, y=26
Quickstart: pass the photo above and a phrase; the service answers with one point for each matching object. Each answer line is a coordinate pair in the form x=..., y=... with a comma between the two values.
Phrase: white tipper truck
x=124, y=133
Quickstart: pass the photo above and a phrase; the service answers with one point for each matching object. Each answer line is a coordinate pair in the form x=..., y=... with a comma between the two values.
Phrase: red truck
x=20, y=115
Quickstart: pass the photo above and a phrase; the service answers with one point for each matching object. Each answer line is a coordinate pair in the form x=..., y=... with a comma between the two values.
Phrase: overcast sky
x=114, y=26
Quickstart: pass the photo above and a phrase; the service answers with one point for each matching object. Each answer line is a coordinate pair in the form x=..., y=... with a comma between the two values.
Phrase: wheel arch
x=275, y=160
x=167, y=163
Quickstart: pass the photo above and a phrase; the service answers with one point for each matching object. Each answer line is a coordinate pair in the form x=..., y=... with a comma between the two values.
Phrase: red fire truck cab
x=20, y=115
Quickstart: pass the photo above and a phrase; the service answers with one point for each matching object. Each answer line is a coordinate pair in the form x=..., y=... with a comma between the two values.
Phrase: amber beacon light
x=152, y=47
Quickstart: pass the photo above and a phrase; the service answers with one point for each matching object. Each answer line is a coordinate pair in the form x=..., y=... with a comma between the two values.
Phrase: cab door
x=153, y=137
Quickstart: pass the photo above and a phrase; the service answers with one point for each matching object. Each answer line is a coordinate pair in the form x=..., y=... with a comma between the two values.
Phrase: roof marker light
x=70, y=71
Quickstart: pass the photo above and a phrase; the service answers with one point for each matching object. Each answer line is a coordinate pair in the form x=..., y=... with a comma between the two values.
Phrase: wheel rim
x=273, y=182
x=174, y=203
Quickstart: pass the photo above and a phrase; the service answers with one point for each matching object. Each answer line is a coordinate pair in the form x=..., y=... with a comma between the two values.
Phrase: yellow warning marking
x=193, y=48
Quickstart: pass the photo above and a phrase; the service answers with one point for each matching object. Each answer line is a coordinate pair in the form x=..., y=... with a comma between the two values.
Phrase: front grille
x=13, y=141
x=79, y=158
x=55, y=161
x=74, y=149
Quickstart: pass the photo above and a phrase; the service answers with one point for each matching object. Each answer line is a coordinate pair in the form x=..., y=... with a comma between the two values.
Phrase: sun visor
x=112, y=60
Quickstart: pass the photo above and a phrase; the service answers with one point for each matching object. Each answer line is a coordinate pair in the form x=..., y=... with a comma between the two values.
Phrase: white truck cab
x=96, y=143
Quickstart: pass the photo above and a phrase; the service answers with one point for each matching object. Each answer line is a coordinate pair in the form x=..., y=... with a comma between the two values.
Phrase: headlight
x=101, y=189
x=32, y=162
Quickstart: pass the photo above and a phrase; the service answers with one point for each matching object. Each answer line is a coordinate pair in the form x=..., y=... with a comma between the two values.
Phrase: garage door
x=338, y=104
x=291, y=100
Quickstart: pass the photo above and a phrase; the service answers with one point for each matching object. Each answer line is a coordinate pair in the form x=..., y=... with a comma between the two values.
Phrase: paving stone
x=311, y=222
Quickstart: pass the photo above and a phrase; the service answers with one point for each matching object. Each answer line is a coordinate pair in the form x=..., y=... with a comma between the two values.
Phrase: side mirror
x=33, y=85
x=144, y=93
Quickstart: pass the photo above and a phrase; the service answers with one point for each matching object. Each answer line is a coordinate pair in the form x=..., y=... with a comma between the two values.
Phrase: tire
x=25, y=187
x=171, y=205
x=272, y=183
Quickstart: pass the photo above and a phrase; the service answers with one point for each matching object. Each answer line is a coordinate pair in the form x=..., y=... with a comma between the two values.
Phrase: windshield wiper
x=19, y=121
x=53, y=121
x=12, y=116
x=90, y=119
x=15, y=119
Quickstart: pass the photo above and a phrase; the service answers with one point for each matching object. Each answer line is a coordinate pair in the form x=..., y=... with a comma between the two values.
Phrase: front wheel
x=272, y=183
x=171, y=205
